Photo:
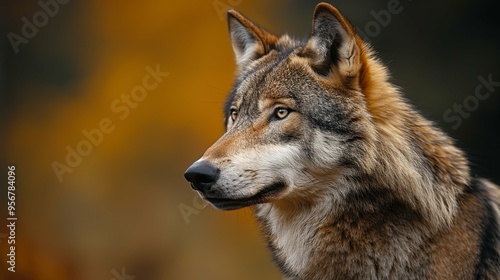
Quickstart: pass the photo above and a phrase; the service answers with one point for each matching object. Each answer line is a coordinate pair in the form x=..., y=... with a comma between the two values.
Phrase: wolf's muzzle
x=202, y=175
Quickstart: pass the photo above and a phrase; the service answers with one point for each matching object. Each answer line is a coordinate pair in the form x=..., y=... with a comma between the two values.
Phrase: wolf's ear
x=249, y=41
x=333, y=43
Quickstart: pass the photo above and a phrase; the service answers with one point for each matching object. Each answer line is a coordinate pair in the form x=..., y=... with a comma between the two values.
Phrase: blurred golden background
x=100, y=148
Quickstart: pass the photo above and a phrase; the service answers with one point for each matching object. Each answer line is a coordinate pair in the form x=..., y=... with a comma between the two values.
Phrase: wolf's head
x=295, y=117
x=320, y=116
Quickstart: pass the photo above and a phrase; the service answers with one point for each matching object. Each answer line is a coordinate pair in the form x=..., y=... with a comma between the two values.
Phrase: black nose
x=201, y=175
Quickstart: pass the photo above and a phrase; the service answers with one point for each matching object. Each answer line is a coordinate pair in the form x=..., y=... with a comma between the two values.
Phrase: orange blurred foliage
x=119, y=205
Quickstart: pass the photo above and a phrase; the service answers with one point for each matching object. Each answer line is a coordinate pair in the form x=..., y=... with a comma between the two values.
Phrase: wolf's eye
x=281, y=113
x=233, y=114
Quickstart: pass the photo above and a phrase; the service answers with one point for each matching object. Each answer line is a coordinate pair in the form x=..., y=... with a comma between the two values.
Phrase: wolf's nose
x=201, y=175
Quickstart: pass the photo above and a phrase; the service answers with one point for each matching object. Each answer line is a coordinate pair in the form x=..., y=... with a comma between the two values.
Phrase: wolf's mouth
x=260, y=197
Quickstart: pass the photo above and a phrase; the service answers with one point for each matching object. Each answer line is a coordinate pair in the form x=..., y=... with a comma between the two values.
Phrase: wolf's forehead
x=250, y=86
x=262, y=77
x=267, y=78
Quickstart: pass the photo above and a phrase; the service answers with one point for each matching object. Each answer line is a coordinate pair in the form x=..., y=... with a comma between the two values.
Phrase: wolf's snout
x=202, y=175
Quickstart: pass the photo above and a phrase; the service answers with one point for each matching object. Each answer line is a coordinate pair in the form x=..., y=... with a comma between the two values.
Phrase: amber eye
x=281, y=113
x=234, y=114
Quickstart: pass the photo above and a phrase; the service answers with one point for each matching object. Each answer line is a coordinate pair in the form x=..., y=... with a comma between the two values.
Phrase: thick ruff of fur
x=347, y=179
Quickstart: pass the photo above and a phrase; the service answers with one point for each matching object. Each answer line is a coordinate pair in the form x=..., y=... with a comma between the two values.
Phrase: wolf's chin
x=263, y=196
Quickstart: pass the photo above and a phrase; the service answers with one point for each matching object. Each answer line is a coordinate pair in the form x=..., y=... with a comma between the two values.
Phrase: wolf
x=347, y=179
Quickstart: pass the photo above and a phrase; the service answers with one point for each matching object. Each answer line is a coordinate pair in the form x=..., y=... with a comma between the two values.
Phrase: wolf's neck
x=409, y=156
x=290, y=234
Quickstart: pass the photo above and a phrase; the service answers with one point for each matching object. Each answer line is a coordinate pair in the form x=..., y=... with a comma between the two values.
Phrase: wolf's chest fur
x=322, y=241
